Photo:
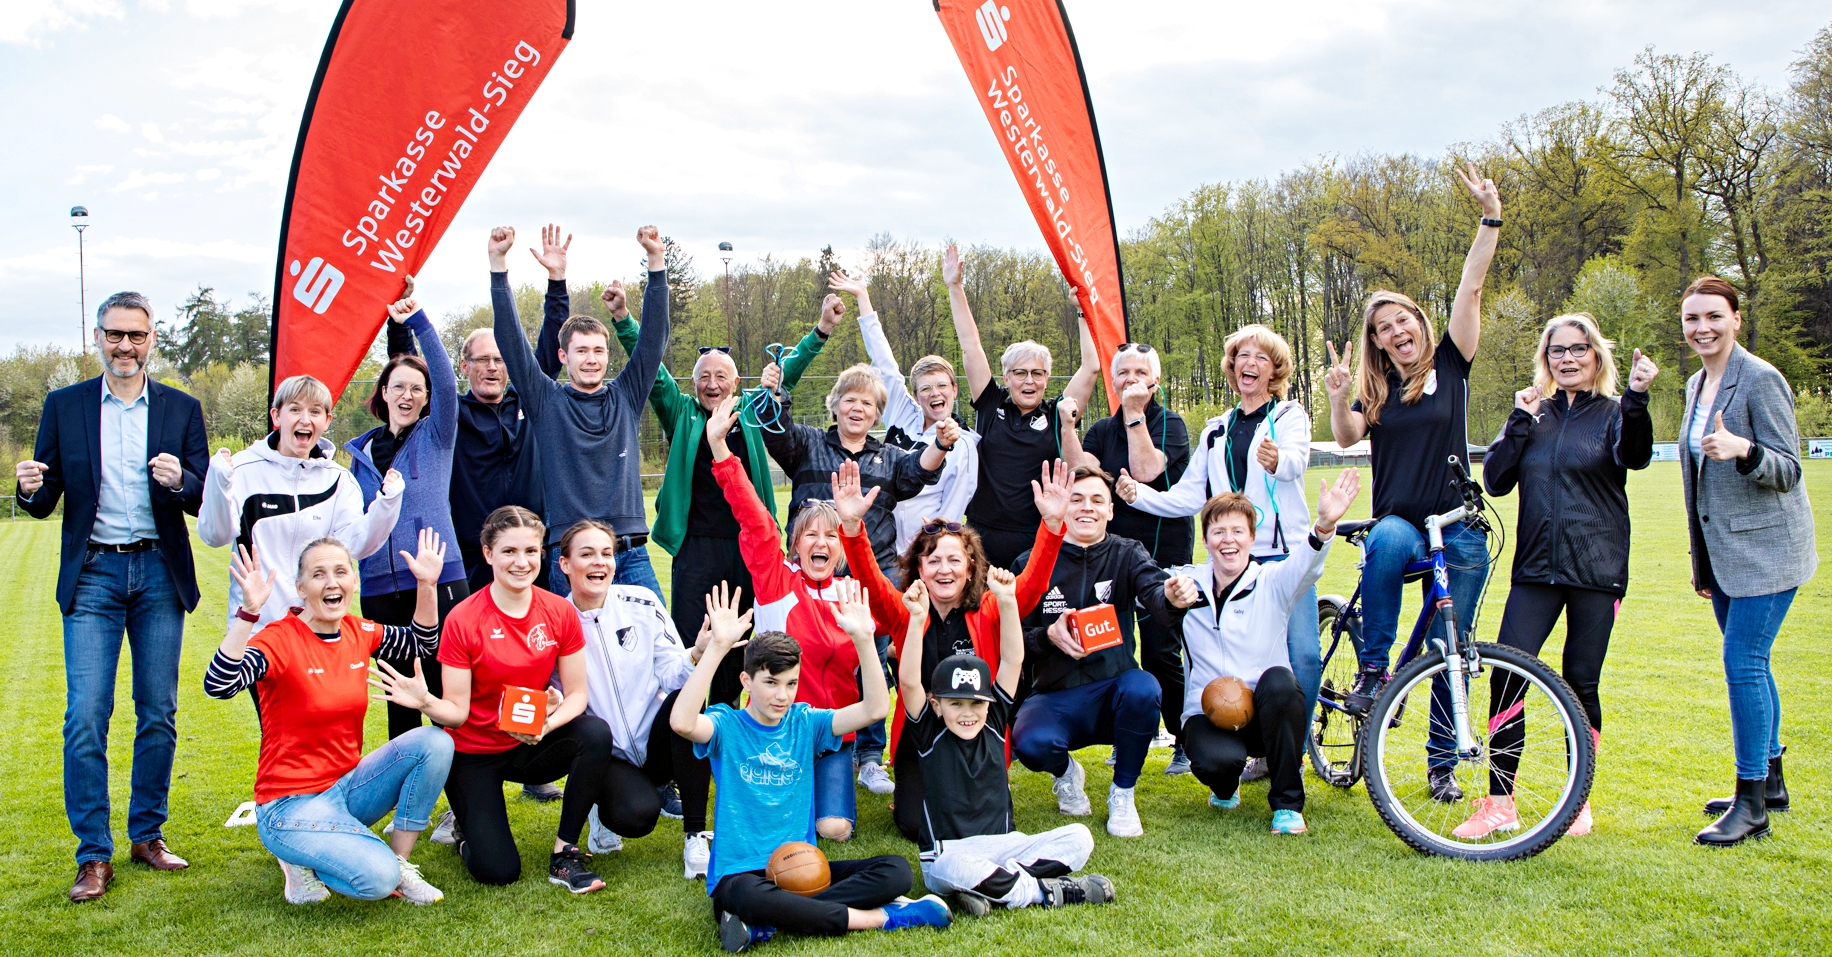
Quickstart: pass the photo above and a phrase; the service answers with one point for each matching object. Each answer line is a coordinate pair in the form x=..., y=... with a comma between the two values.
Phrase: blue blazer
x=70, y=446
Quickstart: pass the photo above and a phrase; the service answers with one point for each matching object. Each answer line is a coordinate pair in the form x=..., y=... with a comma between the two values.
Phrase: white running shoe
x=601, y=839
x=302, y=884
x=696, y=854
x=444, y=829
x=414, y=888
x=1164, y=739
x=1071, y=793
x=875, y=779
x=1123, y=813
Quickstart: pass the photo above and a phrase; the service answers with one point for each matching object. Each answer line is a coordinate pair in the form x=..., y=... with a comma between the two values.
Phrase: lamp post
x=725, y=256
x=79, y=221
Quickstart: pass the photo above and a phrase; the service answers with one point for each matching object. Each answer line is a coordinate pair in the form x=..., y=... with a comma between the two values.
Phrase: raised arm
x=1346, y=425
x=532, y=385
x=909, y=651
x=1466, y=311
x=854, y=616
x=728, y=631
x=973, y=354
x=233, y=668
x=1004, y=590
x=556, y=306
x=901, y=410
x=366, y=532
x=638, y=377
x=1081, y=384
x=852, y=502
x=1143, y=458
x=1635, y=429
x=443, y=416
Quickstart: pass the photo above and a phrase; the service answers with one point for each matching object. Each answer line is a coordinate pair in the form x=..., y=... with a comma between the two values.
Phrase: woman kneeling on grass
x=315, y=795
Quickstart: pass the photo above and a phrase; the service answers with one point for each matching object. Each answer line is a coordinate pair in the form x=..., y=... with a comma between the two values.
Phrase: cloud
x=111, y=123
x=26, y=21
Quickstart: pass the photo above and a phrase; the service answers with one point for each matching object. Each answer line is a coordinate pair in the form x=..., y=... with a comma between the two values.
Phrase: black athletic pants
x=1004, y=545
x=1532, y=610
x=702, y=563
x=1276, y=733
x=862, y=884
x=906, y=801
x=579, y=751
x=629, y=804
x=397, y=608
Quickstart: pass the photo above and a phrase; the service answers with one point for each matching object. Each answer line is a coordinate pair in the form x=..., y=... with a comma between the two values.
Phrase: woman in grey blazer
x=1752, y=537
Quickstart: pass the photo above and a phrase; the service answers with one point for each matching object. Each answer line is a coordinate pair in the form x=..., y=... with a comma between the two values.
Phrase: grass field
x=1198, y=882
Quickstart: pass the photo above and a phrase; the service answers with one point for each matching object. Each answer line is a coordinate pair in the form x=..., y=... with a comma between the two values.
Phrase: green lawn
x=1198, y=882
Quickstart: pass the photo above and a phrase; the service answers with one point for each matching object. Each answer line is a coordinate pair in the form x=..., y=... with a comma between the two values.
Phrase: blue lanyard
x=1227, y=458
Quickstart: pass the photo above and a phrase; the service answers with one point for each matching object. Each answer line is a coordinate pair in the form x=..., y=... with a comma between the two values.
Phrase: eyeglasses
x=137, y=337
x=724, y=350
x=1578, y=351
x=1138, y=347
x=1038, y=375
x=484, y=360
x=934, y=525
x=399, y=389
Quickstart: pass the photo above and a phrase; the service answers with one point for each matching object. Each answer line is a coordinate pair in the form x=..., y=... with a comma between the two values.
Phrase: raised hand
x=31, y=475
x=852, y=612
x=1182, y=591
x=849, y=499
x=502, y=239
x=843, y=283
x=408, y=691
x=947, y=434
x=1482, y=188
x=1333, y=500
x=719, y=425
x=916, y=600
x=651, y=240
x=727, y=626
x=1133, y=400
x=430, y=561
x=1268, y=455
x=552, y=253
x=951, y=265
x=1527, y=400
x=1641, y=372
x=1051, y=493
x=245, y=570
x=407, y=288
x=393, y=483
x=832, y=309
x=614, y=297
x=1002, y=583
x=1723, y=445
x=1126, y=487
x=703, y=640
x=400, y=309
x=1338, y=379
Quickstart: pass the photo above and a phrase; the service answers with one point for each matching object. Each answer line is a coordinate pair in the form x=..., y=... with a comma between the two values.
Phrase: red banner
x=411, y=100
x=1021, y=59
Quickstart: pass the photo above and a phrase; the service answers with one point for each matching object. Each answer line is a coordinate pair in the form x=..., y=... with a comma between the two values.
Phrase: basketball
x=799, y=868
x=1228, y=703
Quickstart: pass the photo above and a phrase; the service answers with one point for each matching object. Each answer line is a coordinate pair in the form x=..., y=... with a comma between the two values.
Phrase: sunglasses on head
x=816, y=502
x=934, y=525
x=1138, y=347
x=727, y=350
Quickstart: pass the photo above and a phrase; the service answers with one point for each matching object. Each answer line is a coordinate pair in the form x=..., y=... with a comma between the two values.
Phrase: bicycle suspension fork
x=1459, y=662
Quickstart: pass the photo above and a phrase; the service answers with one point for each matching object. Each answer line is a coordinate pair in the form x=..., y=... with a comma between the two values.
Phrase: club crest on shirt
x=1431, y=382
x=1103, y=591
x=625, y=637
x=773, y=767
x=1039, y=423
x=538, y=639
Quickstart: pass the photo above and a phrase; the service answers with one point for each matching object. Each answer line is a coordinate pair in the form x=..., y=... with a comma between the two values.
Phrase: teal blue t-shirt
x=765, y=779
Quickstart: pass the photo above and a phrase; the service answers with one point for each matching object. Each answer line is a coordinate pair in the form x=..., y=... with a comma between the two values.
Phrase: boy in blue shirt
x=763, y=763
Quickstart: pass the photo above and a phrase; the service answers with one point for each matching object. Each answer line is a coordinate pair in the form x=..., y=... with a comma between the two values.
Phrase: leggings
x=397, y=608
x=1531, y=612
x=579, y=751
x=862, y=884
x=629, y=805
x=1275, y=733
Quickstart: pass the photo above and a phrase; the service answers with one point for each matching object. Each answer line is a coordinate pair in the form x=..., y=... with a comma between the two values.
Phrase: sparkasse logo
x=991, y=18
x=319, y=285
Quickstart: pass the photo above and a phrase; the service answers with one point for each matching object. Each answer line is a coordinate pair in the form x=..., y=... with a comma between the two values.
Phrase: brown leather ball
x=799, y=868
x=1228, y=703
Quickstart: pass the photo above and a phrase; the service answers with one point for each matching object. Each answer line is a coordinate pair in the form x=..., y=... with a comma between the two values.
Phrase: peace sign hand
x=1337, y=379
x=1482, y=188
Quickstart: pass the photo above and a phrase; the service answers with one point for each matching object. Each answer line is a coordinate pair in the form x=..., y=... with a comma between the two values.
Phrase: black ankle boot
x=1775, y=794
x=1747, y=817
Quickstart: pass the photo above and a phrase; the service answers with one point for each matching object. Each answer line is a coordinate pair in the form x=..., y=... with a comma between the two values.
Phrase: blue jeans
x=871, y=739
x=1391, y=545
x=1750, y=626
x=633, y=568
x=329, y=831
x=115, y=593
x=1121, y=711
x=1304, y=645
x=833, y=793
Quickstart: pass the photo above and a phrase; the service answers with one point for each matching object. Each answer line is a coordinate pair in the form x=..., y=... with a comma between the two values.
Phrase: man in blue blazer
x=128, y=456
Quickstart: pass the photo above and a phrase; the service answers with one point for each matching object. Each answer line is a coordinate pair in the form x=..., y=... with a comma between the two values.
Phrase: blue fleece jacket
x=591, y=461
x=425, y=462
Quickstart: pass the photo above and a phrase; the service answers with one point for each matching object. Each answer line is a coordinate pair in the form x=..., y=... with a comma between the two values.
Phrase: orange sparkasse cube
x=1096, y=627
x=523, y=710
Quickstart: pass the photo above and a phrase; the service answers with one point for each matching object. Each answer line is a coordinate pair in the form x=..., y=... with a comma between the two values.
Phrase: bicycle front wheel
x=1334, y=741
x=1532, y=743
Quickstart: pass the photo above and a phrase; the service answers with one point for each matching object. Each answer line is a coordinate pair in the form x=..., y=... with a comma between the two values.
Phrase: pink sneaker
x=1494, y=812
x=1581, y=825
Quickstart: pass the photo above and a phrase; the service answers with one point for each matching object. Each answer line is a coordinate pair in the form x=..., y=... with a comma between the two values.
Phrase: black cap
x=962, y=676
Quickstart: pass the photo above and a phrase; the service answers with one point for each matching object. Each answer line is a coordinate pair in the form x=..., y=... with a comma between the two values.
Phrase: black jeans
x=629, y=804
x=863, y=884
x=1161, y=655
x=397, y=608
x=1276, y=733
x=1532, y=610
x=579, y=751
x=701, y=564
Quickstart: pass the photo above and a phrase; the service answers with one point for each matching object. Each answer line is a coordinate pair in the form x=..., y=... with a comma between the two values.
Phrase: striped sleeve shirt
x=226, y=676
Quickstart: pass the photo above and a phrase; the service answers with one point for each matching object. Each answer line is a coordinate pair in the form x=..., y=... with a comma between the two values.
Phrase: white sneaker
x=1123, y=813
x=443, y=832
x=302, y=884
x=1164, y=739
x=873, y=776
x=601, y=840
x=696, y=855
x=1071, y=795
x=414, y=888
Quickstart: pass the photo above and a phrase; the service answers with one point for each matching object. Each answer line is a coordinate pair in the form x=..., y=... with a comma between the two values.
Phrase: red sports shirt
x=500, y=650
x=312, y=700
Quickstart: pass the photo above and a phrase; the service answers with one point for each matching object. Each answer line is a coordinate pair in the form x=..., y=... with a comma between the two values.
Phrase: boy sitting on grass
x=970, y=845
x=762, y=763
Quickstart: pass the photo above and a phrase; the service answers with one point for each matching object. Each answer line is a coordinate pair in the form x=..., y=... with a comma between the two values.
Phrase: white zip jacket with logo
x=1245, y=636
x=279, y=505
x=633, y=660
x=1207, y=475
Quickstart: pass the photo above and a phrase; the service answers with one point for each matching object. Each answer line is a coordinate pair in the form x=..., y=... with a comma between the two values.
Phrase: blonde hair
x=812, y=510
x=1269, y=342
x=1604, y=383
x=858, y=378
x=302, y=388
x=1375, y=365
x=928, y=364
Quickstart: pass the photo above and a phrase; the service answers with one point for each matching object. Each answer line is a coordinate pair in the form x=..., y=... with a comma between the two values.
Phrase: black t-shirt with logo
x=966, y=790
x=709, y=514
x=1013, y=447
x=1170, y=540
x=1410, y=448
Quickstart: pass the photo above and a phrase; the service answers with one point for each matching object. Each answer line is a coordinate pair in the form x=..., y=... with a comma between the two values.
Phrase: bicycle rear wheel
x=1334, y=741
x=1520, y=711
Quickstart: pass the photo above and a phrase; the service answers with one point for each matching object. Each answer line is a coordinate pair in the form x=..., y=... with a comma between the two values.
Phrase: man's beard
x=108, y=364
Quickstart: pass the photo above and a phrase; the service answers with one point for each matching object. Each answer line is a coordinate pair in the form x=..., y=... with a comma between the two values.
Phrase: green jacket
x=684, y=424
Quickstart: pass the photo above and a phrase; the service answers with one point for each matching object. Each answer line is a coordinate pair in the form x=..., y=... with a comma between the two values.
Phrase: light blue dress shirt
x=124, y=509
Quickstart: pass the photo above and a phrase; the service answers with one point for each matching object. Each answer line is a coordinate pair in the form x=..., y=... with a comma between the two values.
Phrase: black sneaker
x=1086, y=889
x=1444, y=787
x=567, y=869
x=670, y=796
x=544, y=793
x=972, y=904
x=735, y=935
x=1368, y=682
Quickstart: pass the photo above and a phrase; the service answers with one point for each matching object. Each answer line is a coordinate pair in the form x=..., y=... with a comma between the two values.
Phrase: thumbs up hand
x=1641, y=372
x=1723, y=445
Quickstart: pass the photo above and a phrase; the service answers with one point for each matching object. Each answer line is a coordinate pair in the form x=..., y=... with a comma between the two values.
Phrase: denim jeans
x=1304, y=646
x=1121, y=711
x=833, y=788
x=871, y=739
x=329, y=831
x=116, y=593
x=633, y=568
x=1750, y=626
x=1392, y=544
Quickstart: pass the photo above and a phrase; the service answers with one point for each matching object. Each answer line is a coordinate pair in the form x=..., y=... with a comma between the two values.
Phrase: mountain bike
x=1525, y=714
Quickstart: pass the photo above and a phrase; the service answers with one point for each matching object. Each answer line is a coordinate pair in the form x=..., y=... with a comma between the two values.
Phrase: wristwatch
x=1491, y=221
x=1136, y=422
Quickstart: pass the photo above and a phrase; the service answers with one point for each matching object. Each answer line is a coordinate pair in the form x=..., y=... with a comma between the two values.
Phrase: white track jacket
x=633, y=660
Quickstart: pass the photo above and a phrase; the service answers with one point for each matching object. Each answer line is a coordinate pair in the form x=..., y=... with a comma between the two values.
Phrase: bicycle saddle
x=1353, y=531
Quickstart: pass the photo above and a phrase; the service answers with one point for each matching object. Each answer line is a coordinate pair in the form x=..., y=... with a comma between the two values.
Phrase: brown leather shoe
x=156, y=855
x=92, y=880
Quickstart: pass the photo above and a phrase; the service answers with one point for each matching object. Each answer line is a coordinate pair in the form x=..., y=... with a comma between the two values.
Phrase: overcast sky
x=780, y=126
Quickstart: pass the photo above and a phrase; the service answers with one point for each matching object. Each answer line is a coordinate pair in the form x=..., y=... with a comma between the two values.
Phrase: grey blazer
x=1749, y=519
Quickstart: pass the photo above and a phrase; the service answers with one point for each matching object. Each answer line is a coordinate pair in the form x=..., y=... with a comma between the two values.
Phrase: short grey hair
x=124, y=300
x=1019, y=351
x=1152, y=362
x=302, y=388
